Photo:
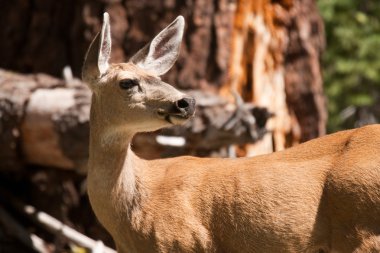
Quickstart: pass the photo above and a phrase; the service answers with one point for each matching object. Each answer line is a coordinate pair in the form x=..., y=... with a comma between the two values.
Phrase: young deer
x=321, y=196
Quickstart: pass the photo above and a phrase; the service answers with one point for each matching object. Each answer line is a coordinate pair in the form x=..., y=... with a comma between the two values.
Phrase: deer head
x=131, y=95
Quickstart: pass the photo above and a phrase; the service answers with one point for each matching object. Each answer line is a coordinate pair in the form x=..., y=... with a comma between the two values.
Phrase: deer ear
x=98, y=54
x=158, y=56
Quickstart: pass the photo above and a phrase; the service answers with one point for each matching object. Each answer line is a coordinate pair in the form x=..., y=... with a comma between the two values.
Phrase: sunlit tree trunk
x=274, y=62
x=268, y=51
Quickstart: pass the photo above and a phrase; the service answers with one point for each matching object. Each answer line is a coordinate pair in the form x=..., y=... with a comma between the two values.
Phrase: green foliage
x=351, y=62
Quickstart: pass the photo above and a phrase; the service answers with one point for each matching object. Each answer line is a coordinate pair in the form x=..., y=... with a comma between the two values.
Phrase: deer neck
x=113, y=168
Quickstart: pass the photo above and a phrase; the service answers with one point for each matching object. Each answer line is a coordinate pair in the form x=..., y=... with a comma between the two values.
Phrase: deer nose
x=186, y=105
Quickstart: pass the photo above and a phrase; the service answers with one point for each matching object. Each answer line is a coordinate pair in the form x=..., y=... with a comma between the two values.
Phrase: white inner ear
x=104, y=45
x=164, y=49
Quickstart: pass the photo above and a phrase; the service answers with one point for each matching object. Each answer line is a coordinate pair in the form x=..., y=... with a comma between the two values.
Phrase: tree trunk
x=276, y=46
x=303, y=77
x=45, y=36
x=270, y=49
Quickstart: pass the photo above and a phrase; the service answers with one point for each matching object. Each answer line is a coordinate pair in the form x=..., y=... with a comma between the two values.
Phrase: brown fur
x=321, y=196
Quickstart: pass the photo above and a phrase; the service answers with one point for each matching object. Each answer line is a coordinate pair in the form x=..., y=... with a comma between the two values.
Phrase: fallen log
x=44, y=121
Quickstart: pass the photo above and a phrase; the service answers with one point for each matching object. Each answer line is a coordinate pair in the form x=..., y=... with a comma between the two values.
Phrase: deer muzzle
x=180, y=111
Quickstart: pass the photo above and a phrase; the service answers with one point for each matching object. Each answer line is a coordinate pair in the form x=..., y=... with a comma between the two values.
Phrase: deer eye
x=127, y=84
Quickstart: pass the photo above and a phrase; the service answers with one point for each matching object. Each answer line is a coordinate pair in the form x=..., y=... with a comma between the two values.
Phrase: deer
x=319, y=196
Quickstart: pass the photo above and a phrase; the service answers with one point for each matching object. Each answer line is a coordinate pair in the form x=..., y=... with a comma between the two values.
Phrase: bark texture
x=276, y=48
x=303, y=77
x=45, y=36
x=40, y=114
x=270, y=49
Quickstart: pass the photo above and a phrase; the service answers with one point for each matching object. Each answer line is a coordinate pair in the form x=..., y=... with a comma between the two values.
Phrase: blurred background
x=267, y=75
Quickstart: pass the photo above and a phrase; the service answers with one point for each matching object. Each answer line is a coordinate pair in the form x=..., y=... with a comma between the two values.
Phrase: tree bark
x=276, y=48
x=303, y=77
x=45, y=36
x=270, y=49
